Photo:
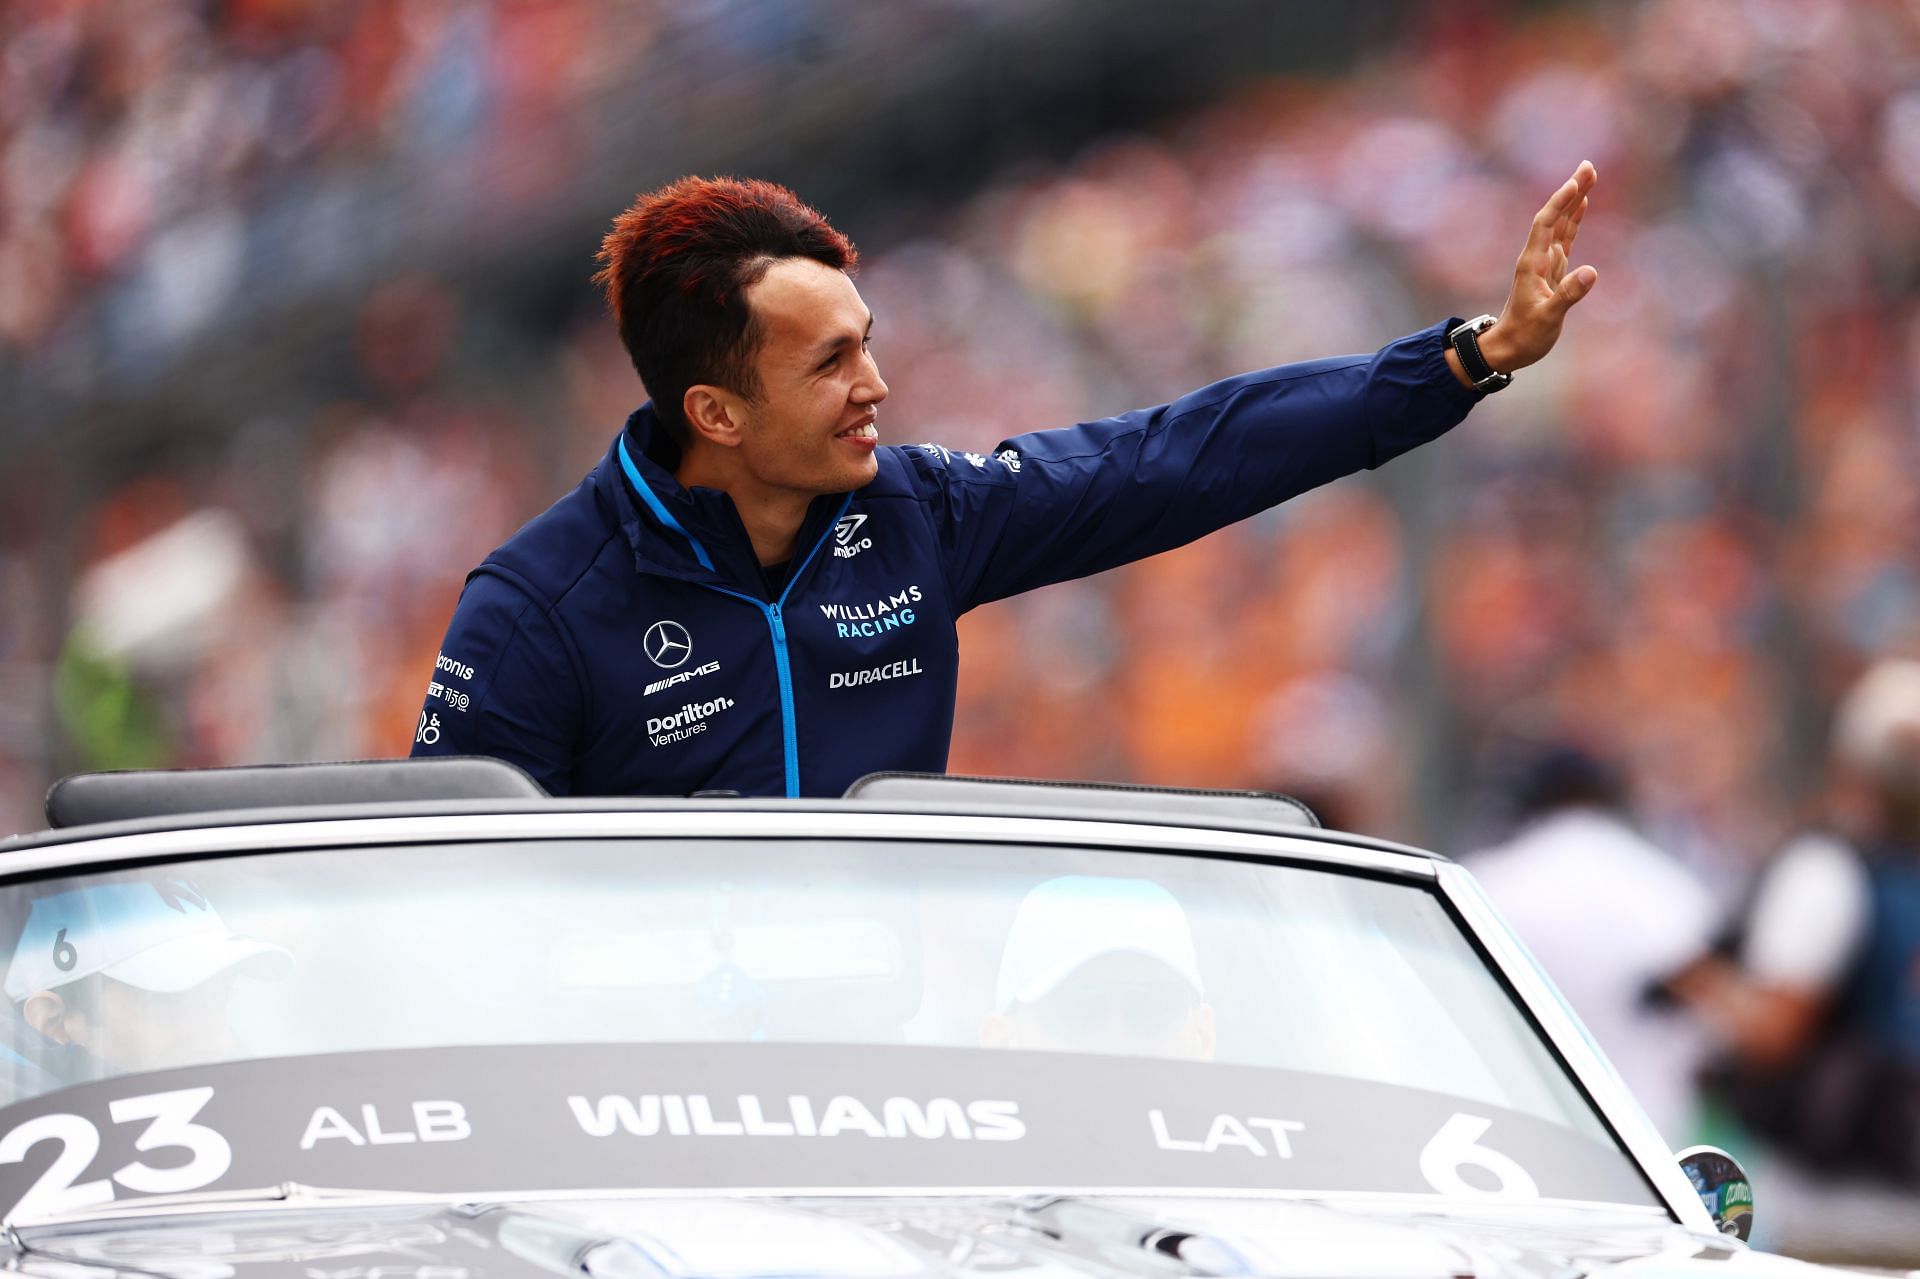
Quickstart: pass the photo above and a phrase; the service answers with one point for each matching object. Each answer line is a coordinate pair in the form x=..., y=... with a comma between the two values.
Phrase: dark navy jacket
x=626, y=641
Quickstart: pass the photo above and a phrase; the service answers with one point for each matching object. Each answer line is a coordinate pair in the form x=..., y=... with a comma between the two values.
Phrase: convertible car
x=417, y=1019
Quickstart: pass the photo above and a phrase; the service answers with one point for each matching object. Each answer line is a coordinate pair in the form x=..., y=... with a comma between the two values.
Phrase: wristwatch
x=1466, y=344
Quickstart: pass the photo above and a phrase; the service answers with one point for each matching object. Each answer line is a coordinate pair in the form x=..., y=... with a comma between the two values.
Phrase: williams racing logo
x=889, y=612
x=847, y=541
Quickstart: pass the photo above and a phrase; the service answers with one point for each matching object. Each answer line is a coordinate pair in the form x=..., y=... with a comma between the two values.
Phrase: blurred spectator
x=1816, y=994
x=1607, y=914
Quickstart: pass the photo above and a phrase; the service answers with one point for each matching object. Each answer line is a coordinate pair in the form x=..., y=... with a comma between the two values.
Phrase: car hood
x=889, y=1238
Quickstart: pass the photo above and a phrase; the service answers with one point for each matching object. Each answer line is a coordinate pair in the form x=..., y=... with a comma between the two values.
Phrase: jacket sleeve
x=503, y=685
x=1054, y=505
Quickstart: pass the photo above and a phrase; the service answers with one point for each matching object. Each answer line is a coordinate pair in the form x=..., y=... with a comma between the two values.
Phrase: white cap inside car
x=160, y=935
x=1064, y=922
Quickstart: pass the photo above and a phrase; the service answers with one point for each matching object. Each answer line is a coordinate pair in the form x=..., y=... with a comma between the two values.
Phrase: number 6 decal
x=170, y=1126
x=1456, y=1146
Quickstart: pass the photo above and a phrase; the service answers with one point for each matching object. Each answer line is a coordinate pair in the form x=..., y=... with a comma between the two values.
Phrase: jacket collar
x=692, y=534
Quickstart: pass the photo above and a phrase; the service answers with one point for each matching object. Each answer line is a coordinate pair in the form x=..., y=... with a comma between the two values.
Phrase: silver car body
x=1040, y=1230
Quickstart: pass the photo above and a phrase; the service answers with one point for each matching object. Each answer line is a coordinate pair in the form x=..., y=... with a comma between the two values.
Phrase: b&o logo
x=668, y=644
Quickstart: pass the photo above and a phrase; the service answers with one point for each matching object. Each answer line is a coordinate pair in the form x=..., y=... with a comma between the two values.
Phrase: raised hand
x=1544, y=290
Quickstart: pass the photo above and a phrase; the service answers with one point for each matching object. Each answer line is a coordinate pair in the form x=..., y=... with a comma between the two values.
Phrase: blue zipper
x=790, y=737
x=789, y=730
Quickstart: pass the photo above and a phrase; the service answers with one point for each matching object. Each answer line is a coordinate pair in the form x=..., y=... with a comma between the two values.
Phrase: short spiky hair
x=676, y=269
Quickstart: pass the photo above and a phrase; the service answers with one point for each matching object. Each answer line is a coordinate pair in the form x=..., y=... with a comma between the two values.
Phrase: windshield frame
x=1522, y=979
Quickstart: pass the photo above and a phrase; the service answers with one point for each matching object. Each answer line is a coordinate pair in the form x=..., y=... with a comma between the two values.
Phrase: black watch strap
x=1466, y=344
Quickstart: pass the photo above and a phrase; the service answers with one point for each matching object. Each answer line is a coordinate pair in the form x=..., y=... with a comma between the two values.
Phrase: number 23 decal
x=170, y=1125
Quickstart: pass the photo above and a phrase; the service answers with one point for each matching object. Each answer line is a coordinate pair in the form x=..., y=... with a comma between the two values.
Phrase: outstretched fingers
x=1547, y=221
x=1573, y=219
x=1568, y=228
x=1564, y=208
x=1546, y=284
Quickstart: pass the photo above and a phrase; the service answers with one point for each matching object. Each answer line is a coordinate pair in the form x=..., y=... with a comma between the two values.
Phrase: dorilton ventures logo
x=847, y=539
x=667, y=643
x=685, y=722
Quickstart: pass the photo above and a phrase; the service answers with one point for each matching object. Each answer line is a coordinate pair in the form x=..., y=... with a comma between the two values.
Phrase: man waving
x=751, y=593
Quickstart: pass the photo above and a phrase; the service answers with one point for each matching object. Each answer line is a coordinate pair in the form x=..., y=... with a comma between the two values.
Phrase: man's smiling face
x=812, y=429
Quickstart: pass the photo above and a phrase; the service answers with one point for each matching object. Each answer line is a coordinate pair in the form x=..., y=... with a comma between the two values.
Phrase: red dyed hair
x=676, y=268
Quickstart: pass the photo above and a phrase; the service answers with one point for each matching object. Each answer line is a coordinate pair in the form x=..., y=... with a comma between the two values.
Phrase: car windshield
x=572, y=1014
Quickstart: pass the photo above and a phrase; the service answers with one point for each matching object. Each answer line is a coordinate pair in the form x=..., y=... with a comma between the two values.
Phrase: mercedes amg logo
x=668, y=644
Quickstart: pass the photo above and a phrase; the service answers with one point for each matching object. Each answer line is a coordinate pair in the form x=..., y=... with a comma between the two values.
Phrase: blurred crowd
x=1676, y=541
x=155, y=155
x=159, y=160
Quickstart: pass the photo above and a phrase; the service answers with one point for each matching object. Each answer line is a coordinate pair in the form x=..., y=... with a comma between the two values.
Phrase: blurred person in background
x=613, y=647
x=1606, y=912
x=1814, y=991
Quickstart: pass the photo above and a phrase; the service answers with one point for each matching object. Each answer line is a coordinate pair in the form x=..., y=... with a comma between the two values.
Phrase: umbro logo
x=847, y=536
